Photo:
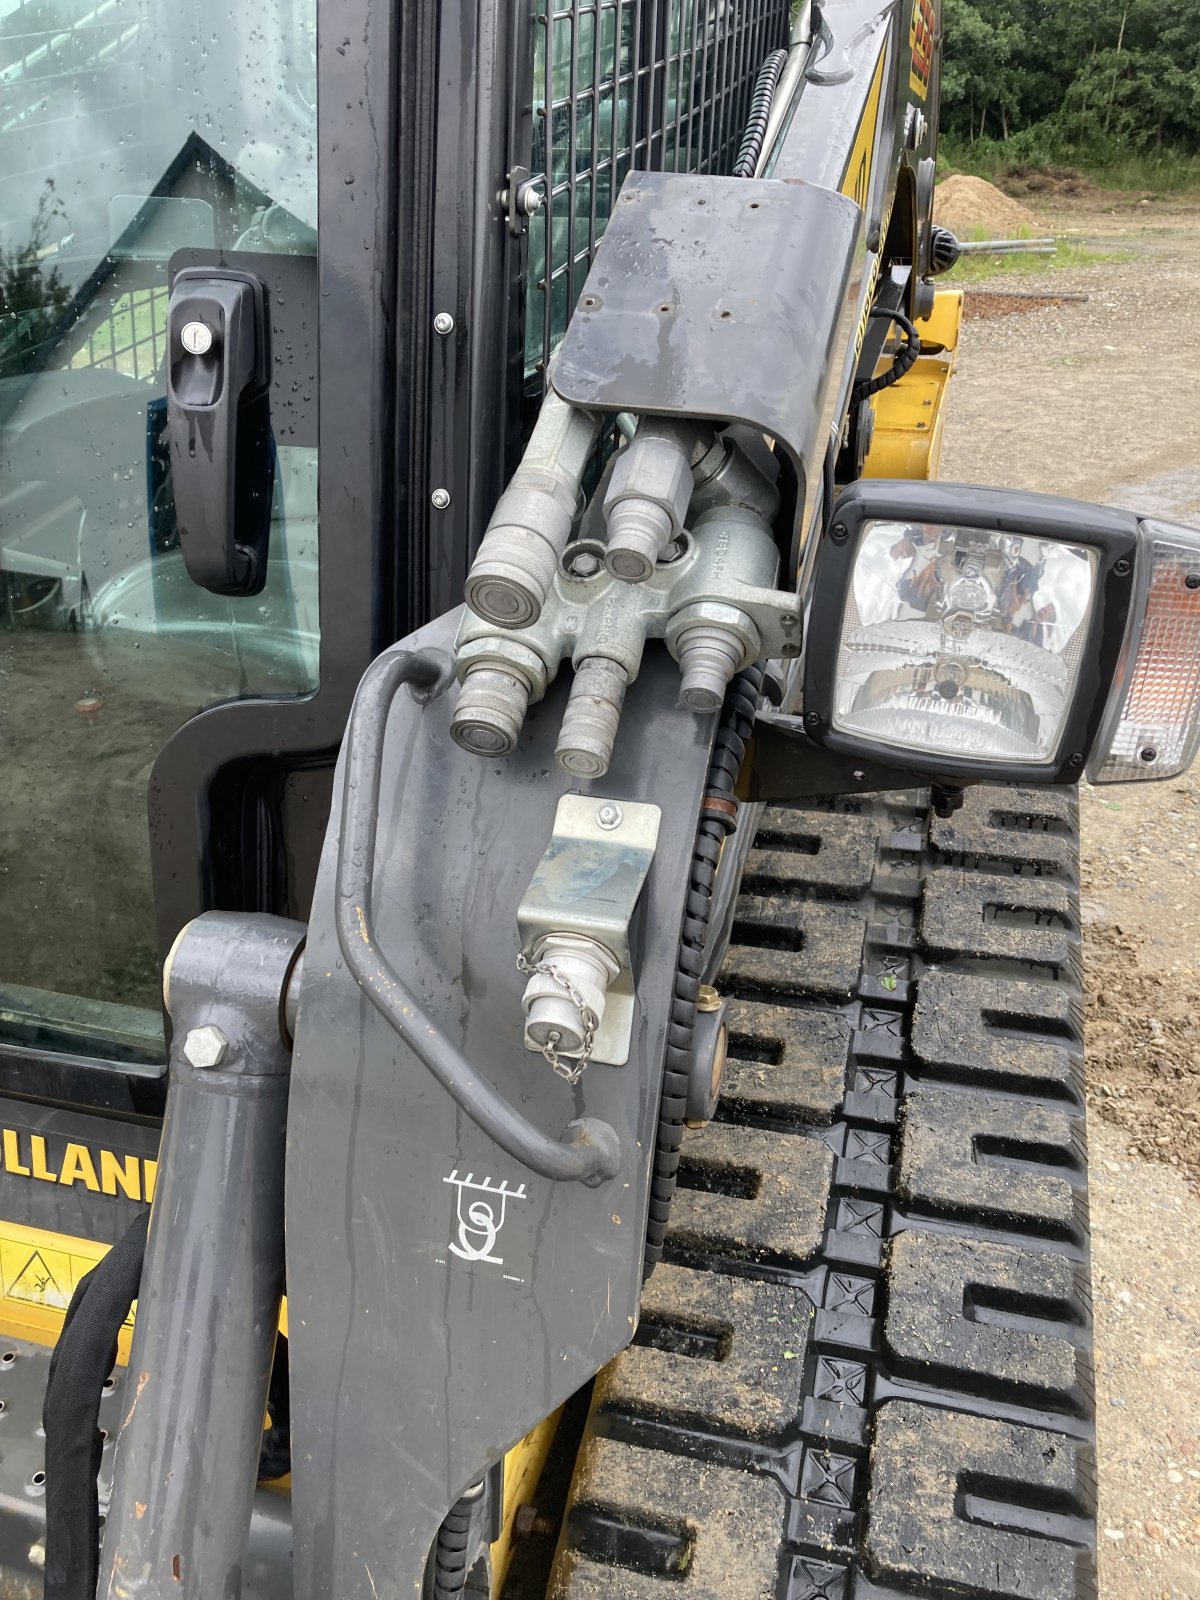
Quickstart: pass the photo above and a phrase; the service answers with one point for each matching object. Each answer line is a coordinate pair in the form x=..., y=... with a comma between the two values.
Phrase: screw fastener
x=609, y=815
x=440, y=499
x=443, y=323
x=205, y=1047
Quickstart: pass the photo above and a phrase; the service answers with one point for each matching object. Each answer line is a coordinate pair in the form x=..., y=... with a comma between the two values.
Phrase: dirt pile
x=1050, y=183
x=965, y=205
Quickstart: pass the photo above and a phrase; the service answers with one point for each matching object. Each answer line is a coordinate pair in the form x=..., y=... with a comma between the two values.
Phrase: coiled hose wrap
x=716, y=820
x=765, y=86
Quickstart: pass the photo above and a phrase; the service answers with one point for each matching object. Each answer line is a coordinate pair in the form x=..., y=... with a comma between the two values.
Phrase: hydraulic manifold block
x=706, y=589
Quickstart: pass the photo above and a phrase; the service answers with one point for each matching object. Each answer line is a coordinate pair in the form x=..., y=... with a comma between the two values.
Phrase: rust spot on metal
x=143, y=1380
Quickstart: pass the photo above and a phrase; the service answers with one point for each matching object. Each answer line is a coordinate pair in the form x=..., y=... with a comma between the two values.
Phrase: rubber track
x=864, y=1369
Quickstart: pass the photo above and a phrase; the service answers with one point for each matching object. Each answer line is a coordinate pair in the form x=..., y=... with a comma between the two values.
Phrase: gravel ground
x=1101, y=400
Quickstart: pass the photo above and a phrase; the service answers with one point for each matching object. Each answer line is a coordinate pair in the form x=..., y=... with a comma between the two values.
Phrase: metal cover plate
x=730, y=298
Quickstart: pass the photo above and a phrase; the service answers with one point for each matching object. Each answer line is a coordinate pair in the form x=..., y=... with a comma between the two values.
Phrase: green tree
x=32, y=299
x=1086, y=76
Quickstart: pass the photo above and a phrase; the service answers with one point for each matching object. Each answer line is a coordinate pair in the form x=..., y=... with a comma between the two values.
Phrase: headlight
x=961, y=640
x=971, y=634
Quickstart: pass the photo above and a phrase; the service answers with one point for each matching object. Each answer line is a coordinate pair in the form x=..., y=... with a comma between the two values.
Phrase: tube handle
x=588, y=1151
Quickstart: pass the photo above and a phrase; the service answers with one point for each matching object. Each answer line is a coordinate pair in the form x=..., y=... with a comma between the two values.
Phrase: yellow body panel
x=908, y=416
x=522, y=1470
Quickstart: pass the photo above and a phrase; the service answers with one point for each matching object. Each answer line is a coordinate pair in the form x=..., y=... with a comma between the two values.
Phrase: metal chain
x=587, y=1017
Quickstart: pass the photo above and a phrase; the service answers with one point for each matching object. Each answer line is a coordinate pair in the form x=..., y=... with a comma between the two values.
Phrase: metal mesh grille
x=621, y=85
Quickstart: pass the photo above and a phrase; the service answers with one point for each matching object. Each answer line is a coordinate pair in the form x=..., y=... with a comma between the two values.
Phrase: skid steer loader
x=615, y=1128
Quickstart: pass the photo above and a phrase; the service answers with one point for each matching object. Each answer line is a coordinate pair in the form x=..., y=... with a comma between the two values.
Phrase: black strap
x=83, y=1358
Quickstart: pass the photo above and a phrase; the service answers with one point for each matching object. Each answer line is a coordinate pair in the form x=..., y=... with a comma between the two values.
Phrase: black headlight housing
x=968, y=517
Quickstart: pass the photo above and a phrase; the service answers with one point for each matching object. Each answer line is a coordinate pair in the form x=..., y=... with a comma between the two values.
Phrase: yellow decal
x=25, y=1155
x=857, y=181
x=922, y=31
x=39, y=1272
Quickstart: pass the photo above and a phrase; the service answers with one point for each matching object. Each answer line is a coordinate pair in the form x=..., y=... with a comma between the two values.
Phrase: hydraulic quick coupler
x=707, y=590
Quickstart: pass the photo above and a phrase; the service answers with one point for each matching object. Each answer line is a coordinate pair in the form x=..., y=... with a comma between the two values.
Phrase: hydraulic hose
x=588, y=1151
x=902, y=361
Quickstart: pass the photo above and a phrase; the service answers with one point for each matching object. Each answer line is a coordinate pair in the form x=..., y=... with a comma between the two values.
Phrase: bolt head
x=443, y=323
x=196, y=338
x=609, y=815
x=205, y=1047
x=440, y=499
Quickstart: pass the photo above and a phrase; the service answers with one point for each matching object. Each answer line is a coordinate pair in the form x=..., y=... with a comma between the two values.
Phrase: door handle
x=219, y=426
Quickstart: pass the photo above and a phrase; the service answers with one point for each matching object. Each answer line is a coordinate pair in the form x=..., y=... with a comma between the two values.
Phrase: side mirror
x=991, y=635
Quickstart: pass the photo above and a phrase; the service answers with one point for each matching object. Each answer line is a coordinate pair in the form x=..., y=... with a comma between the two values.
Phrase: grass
x=1163, y=172
x=1067, y=253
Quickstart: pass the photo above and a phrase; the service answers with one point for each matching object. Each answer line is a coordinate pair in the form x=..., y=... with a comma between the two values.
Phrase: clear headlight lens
x=963, y=641
x=1153, y=729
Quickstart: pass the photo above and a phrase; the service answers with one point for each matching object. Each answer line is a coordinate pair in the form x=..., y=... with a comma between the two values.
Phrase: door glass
x=130, y=131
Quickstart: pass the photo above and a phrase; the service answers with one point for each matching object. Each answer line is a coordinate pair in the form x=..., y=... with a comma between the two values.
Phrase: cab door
x=165, y=748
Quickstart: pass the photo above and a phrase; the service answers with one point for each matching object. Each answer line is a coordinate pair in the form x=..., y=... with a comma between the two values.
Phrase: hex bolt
x=609, y=816
x=440, y=499
x=583, y=564
x=529, y=1523
x=589, y=725
x=443, y=323
x=205, y=1047
x=490, y=712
